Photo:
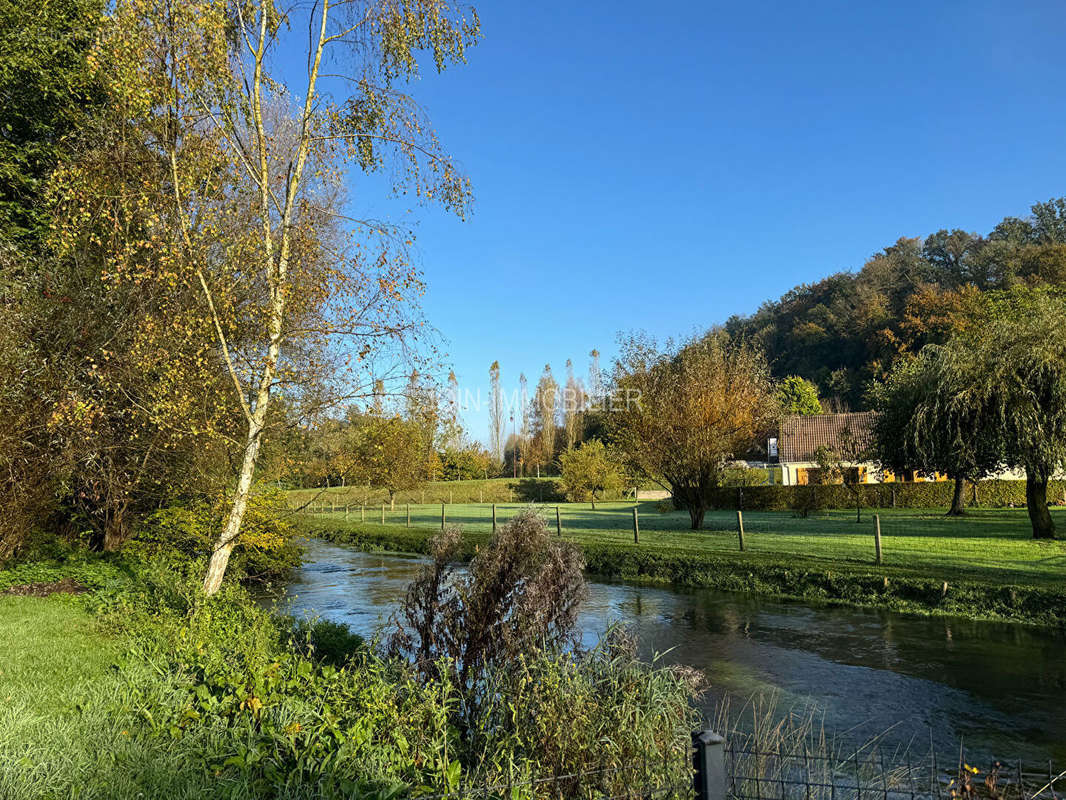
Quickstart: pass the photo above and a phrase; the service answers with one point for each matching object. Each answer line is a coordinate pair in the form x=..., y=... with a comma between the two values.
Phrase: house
x=793, y=459
x=849, y=436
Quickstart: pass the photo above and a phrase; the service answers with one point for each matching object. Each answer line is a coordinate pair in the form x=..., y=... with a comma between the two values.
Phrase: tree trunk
x=115, y=531
x=227, y=540
x=695, y=513
x=957, y=505
x=1036, y=482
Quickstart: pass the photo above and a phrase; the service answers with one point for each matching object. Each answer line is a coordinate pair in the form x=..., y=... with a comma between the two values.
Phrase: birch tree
x=239, y=143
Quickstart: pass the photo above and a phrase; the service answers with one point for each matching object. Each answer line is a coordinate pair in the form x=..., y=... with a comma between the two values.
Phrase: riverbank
x=996, y=687
x=949, y=591
x=120, y=679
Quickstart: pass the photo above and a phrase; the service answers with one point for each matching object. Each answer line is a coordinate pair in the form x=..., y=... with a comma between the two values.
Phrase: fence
x=994, y=546
x=626, y=782
x=865, y=773
x=717, y=769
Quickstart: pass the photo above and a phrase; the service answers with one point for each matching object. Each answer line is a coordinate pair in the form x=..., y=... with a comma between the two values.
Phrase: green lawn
x=68, y=727
x=993, y=545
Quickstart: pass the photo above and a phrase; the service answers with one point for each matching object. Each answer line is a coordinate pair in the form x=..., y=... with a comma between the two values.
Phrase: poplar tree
x=496, y=414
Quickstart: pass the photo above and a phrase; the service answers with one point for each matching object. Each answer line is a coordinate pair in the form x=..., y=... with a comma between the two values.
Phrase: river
x=998, y=688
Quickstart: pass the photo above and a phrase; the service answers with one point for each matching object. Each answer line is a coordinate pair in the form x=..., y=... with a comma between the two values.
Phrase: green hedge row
x=988, y=494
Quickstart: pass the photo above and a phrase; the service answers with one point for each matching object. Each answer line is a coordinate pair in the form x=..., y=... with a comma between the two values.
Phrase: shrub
x=521, y=594
x=590, y=472
x=327, y=641
x=266, y=550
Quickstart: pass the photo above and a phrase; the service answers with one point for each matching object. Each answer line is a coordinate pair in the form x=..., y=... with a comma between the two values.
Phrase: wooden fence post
x=494, y=518
x=877, y=537
x=382, y=512
x=740, y=528
x=636, y=526
x=345, y=512
x=558, y=523
x=443, y=517
x=362, y=513
x=408, y=515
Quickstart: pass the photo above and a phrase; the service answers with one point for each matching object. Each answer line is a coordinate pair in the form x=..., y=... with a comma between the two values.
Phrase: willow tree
x=1005, y=376
x=681, y=414
x=240, y=142
x=920, y=427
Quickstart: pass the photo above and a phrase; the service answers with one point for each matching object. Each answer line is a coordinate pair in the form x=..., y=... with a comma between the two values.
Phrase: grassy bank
x=134, y=685
x=991, y=568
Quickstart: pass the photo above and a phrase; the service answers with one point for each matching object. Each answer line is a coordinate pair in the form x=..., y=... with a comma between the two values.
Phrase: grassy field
x=984, y=565
x=994, y=545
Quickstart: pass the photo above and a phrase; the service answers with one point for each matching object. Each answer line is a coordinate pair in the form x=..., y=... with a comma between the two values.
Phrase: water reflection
x=1000, y=688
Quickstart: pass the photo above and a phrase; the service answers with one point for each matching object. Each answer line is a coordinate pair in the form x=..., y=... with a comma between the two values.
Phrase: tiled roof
x=802, y=436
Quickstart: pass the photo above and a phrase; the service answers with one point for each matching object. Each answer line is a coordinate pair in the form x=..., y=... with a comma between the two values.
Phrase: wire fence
x=985, y=544
x=713, y=768
x=623, y=782
x=868, y=774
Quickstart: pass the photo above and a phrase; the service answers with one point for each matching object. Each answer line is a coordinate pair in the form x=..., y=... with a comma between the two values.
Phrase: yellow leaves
x=253, y=704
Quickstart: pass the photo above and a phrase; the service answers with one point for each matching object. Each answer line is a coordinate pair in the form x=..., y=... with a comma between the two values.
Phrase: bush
x=327, y=641
x=266, y=550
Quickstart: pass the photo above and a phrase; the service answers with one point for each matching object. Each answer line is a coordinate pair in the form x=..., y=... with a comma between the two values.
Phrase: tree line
x=847, y=330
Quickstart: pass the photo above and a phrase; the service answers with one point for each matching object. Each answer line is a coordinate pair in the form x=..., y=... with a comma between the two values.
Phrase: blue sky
x=663, y=166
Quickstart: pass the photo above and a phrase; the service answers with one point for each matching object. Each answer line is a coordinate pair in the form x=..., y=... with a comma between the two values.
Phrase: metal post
x=708, y=765
x=558, y=523
x=442, y=515
x=740, y=528
x=494, y=518
x=877, y=537
x=636, y=526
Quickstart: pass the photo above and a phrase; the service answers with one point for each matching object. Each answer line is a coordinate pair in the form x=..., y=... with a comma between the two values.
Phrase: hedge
x=989, y=494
